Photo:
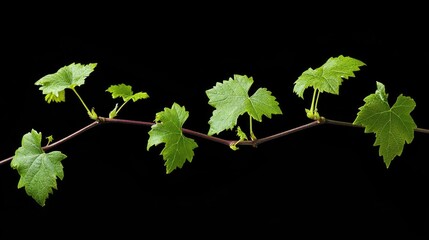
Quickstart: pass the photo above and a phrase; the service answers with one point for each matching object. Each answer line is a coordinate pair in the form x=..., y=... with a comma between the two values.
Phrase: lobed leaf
x=393, y=126
x=70, y=76
x=329, y=76
x=38, y=170
x=168, y=130
x=231, y=99
x=60, y=97
x=126, y=93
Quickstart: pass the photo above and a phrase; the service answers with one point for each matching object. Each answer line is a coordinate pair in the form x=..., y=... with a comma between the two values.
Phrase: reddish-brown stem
x=184, y=130
x=348, y=124
x=48, y=147
x=253, y=143
x=78, y=132
x=259, y=141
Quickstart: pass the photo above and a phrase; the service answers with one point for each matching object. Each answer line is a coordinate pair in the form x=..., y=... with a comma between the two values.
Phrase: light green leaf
x=393, y=126
x=120, y=90
x=66, y=77
x=38, y=170
x=137, y=96
x=329, y=76
x=51, y=97
x=168, y=130
x=231, y=99
x=241, y=134
x=126, y=92
x=242, y=137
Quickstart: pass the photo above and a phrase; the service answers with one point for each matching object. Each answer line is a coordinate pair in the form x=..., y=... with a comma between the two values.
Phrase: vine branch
x=253, y=143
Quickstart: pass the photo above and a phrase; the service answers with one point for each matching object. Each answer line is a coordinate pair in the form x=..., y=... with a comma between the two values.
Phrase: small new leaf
x=242, y=137
x=51, y=97
x=329, y=76
x=38, y=170
x=126, y=93
x=393, y=126
x=168, y=130
x=231, y=99
x=53, y=85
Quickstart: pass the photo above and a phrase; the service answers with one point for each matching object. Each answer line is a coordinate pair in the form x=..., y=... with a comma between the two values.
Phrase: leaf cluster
x=393, y=126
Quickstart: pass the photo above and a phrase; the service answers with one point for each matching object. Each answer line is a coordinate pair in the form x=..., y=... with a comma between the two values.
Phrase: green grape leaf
x=70, y=76
x=60, y=97
x=126, y=93
x=231, y=99
x=329, y=76
x=38, y=170
x=168, y=130
x=393, y=126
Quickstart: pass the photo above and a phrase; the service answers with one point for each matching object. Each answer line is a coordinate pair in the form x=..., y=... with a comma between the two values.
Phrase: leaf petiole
x=312, y=113
x=116, y=110
x=122, y=105
x=315, y=105
x=91, y=113
x=252, y=135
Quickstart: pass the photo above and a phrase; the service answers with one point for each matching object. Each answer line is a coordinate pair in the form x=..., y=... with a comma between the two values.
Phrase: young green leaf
x=393, y=126
x=54, y=85
x=242, y=137
x=61, y=97
x=329, y=76
x=126, y=93
x=168, y=130
x=231, y=99
x=38, y=170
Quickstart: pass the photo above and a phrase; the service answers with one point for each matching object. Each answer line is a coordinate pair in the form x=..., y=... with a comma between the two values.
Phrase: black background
x=324, y=181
